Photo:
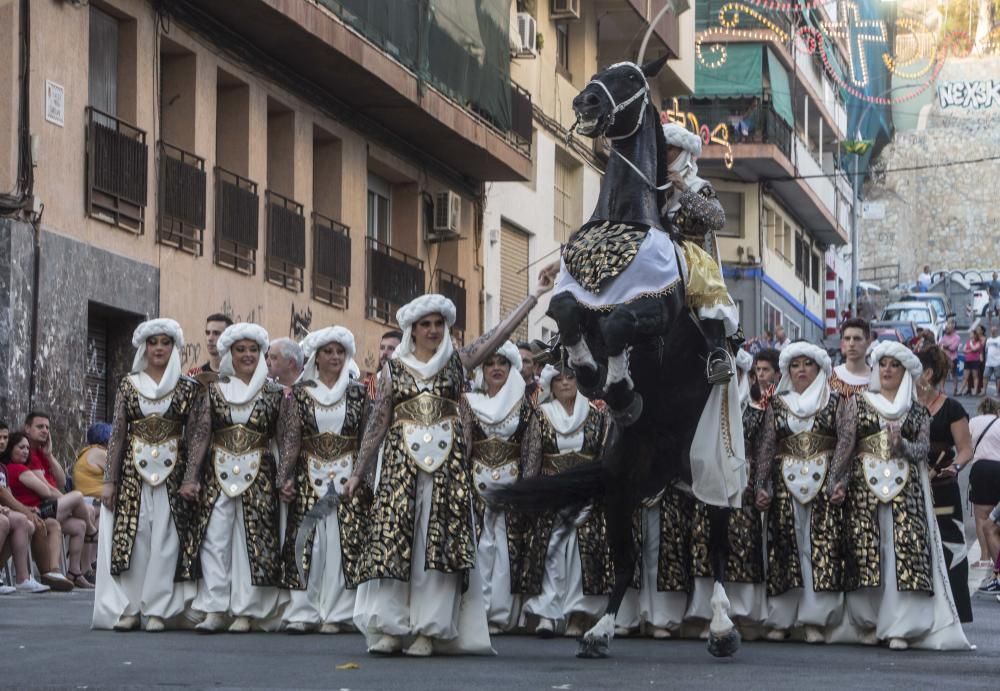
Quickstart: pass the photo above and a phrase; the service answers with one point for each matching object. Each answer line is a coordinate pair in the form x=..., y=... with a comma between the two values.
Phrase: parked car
x=922, y=313
x=980, y=299
x=942, y=304
x=889, y=334
x=904, y=330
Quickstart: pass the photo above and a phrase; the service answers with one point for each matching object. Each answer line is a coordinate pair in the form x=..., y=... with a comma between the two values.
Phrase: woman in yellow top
x=88, y=471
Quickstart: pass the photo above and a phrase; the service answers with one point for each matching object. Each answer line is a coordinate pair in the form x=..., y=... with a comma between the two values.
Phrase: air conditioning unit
x=447, y=217
x=527, y=34
x=565, y=9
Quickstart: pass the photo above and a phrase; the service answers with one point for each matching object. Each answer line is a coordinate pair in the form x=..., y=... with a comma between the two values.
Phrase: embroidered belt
x=237, y=456
x=428, y=426
x=885, y=476
x=330, y=460
x=155, y=443
x=496, y=463
x=555, y=463
x=805, y=459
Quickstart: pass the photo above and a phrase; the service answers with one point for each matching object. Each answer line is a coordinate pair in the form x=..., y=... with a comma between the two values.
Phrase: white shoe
x=898, y=644
x=330, y=628
x=30, y=585
x=546, y=628
x=155, y=625
x=868, y=638
x=213, y=623
x=296, y=627
x=814, y=635
x=622, y=632
x=9, y=589
x=659, y=633
x=421, y=647
x=775, y=635
x=495, y=630
x=127, y=622
x=386, y=645
x=240, y=625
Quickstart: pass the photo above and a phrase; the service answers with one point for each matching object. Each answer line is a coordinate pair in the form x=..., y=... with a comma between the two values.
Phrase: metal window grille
x=117, y=156
x=331, y=278
x=394, y=278
x=453, y=288
x=286, y=241
x=181, y=221
x=236, y=218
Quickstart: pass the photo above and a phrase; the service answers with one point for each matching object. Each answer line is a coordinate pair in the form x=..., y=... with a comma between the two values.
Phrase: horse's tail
x=575, y=487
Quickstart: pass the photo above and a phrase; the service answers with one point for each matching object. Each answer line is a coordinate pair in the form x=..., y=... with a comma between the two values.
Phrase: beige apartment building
x=297, y=163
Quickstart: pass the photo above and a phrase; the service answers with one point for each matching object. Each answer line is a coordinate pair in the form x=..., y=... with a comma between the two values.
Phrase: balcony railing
x=453, y=288
x=236, y=218
x=117, y=157
x=750, y=122
x=286, y=241
x=331, y=279
x=394, y=278
x=181, y=221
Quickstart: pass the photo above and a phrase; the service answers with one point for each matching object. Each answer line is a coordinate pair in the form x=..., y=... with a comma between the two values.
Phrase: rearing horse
x=622, y=316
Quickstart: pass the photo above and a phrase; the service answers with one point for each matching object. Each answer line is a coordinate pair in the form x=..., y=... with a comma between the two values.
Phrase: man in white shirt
x=852, y=376
x=924, y=279
x=992, y=360
x=780, y=339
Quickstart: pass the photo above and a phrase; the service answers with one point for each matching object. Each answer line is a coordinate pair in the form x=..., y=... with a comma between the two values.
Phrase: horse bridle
x=616, y=108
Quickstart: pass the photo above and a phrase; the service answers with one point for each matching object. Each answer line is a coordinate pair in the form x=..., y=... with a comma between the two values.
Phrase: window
x=793, y=330
x=562, y=47
x=513, y=274
x=732, y=205
x=102, y=84
x=801, y=258
x=562, y=201
x=816, y=273
x=379, y=207
x=772, y=316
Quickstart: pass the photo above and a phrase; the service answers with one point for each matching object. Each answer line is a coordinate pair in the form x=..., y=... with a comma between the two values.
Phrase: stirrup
x=719, y=367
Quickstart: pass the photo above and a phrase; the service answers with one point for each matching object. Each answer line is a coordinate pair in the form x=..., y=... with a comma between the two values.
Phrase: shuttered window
x=96, y=396
x=561, y=202
x=102, y=84
x=513, y=275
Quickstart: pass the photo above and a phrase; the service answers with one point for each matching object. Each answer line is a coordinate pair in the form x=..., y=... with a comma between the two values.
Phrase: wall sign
x=55, y=103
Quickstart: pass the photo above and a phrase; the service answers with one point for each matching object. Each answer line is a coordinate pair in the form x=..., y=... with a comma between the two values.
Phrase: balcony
x=331, y=279
x=117, y=157
x=286, y=242
x=453, y=288
x=622, y=23
x=366, y=63
x=182, y=189
x=394, y=278
x=765, y=149
x=236, y=217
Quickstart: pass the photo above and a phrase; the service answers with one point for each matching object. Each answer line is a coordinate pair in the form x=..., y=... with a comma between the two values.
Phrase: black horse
x=667, y=360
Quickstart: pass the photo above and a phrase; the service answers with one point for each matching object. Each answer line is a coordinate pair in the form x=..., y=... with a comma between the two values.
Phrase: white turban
x=803, y=349
x=690, y=145
x=496, y=409
x=432, y=303
x=744, y=360
x=682, y=138
x=900, y=405
x=232, y=388
x=143, y=382
x=315, y=342
x=408, y=315
x=805, y=405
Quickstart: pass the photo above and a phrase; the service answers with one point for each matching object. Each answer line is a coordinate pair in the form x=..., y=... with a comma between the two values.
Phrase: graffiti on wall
x=254, y=315
x=974, y=95
x=191, y=354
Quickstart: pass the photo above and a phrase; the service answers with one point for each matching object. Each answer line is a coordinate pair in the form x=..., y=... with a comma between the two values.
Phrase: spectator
x=780, y=339
x=284, y=361
x=984, y=483
x=88, y=471
x=924, y=279
x=16, y=531
x=992, y=360
x=386, y=347
x=972, y=383
x=950, y=342
x=993, y=287
x=33, y=489
x=215, y=324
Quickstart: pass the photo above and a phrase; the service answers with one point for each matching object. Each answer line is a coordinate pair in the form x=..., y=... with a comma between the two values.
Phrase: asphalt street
x=45, y=642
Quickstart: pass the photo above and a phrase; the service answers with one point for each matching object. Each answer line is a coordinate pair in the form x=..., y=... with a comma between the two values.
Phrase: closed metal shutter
x=102, y=80
x=96, y=397
x=513, y=275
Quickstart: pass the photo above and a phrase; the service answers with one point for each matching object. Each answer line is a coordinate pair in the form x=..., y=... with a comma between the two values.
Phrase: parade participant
x=234, y=534
x=528, y=370
x=386, y=347
x=323, y=437
x=896, y=575
x=745, y=568
x=694, y=212
x=573, y=576
x=802, y=457
x=215, y=324
x=765, y=375
x=852, y=375
x=419, y=562
x=950, y=450
x=499, y=414
x=148, y=487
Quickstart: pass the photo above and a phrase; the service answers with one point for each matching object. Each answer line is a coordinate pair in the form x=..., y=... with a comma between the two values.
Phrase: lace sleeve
x=917, y=449
x=847, y=436
x=531, y=448
x=468, y=417
x=116, y=444
x=377, y=425
x=289, y=437
x=197, y=435
x=766, y=451
x=476, y=352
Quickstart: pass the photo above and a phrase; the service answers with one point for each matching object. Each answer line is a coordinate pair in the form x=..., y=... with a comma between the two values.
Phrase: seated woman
x=16, y=531
x=31, y=489
x=88, y=471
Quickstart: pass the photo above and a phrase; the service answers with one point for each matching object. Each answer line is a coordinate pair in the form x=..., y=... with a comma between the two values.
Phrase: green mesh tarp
x=781, y=93
x=460, y=47
x=740, y=75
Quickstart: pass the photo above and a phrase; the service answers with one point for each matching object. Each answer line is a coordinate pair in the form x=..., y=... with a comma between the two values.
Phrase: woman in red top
x=974, y=362
x=31, y=489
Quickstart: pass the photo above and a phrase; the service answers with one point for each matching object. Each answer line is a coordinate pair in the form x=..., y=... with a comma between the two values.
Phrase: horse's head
x=614, y=101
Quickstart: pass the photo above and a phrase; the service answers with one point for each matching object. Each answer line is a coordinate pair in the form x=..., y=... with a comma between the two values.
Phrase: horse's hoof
x=592, y=648
x=724, y=644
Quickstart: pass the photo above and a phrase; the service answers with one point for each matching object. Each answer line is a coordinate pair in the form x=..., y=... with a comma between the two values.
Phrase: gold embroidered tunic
x=804, y=467
x=160, y=443
x=255, y=485
x=323, y=457
x=896, y=482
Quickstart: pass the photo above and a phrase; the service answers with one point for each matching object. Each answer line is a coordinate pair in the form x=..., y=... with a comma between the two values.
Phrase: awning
x=740, y=74
x=781, y=93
